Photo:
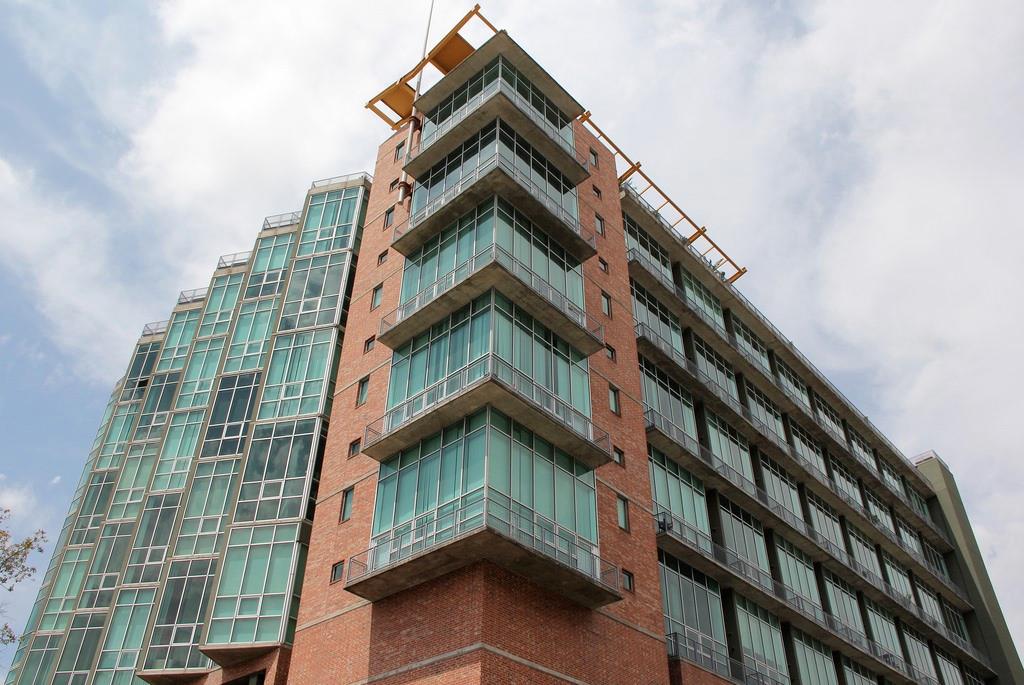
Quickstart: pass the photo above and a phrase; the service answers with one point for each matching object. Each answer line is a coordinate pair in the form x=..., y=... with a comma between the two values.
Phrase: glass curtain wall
x=429, y=489
x=496, y=143
x=162, y=477
x=494, y=222
x=498, y=69
x=678, y=492
x=491, y=324
x=692, y=604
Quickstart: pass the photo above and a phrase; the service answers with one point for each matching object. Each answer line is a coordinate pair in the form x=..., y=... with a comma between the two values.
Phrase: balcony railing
x=493, y=254
x=498, y=161
x=709, y=654
x=644, y=331
x=677, y=528
x=535, y=532
x=279, y=220
x=785, y=341
x=489, y=368
x=233, y=259
x=359, y=176
x=788, y=344
x=751, y=489
x=662, y=423
x=654, y=270
x=723, y=469
x=494, y=88
x=194, y=295
x=155, y=328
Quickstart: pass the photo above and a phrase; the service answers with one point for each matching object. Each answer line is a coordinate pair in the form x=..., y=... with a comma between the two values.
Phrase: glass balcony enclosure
x=496, y=138
x=489, y=352
x=485, y=471
x=498, y=90
x=493, y=245
x=497, y=159
x=491, y=324
x=499, y=69
x=494, y=221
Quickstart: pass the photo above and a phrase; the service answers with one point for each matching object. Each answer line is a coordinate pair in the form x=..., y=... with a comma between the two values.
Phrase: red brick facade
x=482, y=624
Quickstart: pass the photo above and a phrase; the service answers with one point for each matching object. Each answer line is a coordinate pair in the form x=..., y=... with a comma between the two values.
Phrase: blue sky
x=863, y=160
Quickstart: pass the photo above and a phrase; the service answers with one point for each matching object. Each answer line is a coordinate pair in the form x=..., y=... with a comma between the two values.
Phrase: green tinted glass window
x=178, y=339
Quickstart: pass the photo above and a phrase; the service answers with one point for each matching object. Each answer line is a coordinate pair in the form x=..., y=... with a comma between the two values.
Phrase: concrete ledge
x=171, y=677
x=227, y=655
x=489, y=390
x=500, y=44
x=497, y=105
x=495, y=181
x=492, y=275
x=483, y=544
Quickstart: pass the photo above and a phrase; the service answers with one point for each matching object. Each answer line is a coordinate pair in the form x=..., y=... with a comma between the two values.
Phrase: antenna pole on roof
x=404, y=185
x=426, y=38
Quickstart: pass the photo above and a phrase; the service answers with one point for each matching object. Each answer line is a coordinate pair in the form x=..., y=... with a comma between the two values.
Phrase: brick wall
x=482, y=623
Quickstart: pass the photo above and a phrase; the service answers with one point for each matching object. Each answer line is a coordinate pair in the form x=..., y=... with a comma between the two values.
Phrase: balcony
x=155, y=328
x=344, y=181
x=194, y=295
x=677, y=445
x=500, y=44
x=499, y=100
x=281, y=220
x=170, y=677
x=493, y=267
x=701, y=650
x=757, y=432
x=485, y=530
x=717, y=473
x=689, y=374
x=495, y=175
x=234, y=259
x=681, y=250
x=680, y=539
x=228, y=654
x=488, y=380
x=650, y=276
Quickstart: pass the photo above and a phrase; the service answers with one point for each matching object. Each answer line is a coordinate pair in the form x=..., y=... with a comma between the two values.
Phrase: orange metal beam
x=448, y=52
x=633, y=168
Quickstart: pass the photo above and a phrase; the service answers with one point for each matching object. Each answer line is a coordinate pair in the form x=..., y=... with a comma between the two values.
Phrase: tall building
x=500, y=416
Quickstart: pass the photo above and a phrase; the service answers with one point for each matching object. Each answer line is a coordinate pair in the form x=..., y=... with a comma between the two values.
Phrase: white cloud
x=29, y=511
x=65, y=257
x=863, y=159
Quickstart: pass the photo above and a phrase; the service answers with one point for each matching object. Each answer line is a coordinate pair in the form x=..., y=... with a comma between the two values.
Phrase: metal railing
x=785, y=341
x=194, y=295
x=279, y=220
x=723, y=395
x=709, y=654
x=727, y=471
x=534, y=531
x=635, y=255
x=498, y=160
x=493, y=89
x=668, y=523
x=492, y=254
x=750, y=488
x=492, y=368
x=643, y=330
x=233, y=259
x=361, y=175
x=155, y=328
x=662, y=423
